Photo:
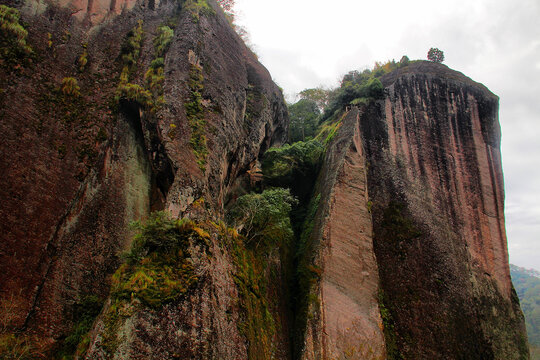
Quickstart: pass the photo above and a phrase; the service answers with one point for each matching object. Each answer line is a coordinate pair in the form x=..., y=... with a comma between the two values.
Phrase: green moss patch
x=158, y=270
x=257, y=323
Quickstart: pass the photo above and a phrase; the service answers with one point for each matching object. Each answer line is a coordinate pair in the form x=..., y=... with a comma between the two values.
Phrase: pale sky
x=305, y=44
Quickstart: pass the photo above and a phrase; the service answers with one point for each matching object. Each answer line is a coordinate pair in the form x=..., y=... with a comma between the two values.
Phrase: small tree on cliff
x=435, y=55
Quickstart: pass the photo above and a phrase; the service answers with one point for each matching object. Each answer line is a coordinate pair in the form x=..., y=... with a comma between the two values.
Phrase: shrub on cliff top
x=435, y=55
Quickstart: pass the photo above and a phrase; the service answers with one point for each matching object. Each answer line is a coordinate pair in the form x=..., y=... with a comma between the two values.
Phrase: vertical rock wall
x=77, y=169
x=346, y=319
x=435, y=223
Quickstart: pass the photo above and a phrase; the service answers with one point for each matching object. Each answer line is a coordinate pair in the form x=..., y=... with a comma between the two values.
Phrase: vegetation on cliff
x=159, y=269
x=13, y=46
x=266, y=236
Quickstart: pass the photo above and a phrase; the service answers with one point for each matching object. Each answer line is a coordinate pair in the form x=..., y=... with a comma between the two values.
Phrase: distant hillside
x=527, y=284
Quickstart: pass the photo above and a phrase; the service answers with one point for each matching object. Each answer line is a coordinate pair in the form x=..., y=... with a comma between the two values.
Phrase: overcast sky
x=305, y=44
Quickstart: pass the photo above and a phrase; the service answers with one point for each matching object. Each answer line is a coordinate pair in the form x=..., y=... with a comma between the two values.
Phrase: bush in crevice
x=70, y=86
x=266, y=231
x=264, y=219
x=293, y=166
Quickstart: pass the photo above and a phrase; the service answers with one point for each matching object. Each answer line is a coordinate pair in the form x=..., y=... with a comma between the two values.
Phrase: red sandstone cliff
x=78, y=168
x=408, y=242
x=415, y=181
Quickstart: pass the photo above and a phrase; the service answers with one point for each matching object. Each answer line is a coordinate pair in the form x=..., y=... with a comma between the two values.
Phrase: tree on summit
x=435, y=55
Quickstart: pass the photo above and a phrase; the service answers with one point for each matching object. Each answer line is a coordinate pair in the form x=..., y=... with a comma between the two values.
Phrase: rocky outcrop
x=80, y=162
x=431, y=213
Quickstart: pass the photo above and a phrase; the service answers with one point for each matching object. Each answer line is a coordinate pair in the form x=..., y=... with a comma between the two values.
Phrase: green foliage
x=264, y=218
x=303, y=120
x=435, y=55
x=70, y=87
x=392, y=350
x=358, y=88
x=134, y=92
x=13, y=46
x=319, y=95
x=131, y=48
x=293, y=166
x=77, y=342
x=151, y=95
x=160, y=234
x=355, y=85
x=528, y=290
x=157, y=63
x=162, y=41
x=195, y=115
x=83, y=60
x=198, y=7
x=328, y=130
x=158, y=270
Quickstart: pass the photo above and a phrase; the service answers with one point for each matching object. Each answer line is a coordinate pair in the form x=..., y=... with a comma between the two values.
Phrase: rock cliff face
x=80, y=163
x=415, y=182
x=123, y=108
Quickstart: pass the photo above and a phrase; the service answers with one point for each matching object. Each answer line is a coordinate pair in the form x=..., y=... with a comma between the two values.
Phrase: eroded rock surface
x=79, y=166
x=435, y=193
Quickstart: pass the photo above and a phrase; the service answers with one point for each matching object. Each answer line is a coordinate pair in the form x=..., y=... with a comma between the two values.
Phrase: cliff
x=412, y=200
x=153, y=107
x=112, y=111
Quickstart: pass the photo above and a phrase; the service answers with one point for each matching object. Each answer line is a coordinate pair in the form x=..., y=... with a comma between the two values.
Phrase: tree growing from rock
x=435, y=55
